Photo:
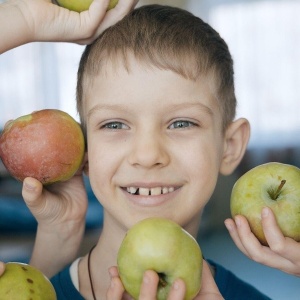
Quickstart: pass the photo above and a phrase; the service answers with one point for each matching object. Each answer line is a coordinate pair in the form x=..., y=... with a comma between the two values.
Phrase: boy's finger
x=209, y=289
x=178, y=290
x=285, y=247
x=248, y=239
x=32, y=191
x=2, y=267
x=114, y=15
x=271, y=230
x=232, y=229
x=115, y=290
x=149, y=286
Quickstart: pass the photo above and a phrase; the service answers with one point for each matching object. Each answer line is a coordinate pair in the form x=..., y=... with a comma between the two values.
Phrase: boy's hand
x=283, y=253
x=24, y=21
x=209, y=289
x=60, y=211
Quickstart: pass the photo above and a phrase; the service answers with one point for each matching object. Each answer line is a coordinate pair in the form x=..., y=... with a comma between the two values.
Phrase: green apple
x=274, y=185
x=24, y=282
x=163, y=246
x=82, y=5
x=47, y=145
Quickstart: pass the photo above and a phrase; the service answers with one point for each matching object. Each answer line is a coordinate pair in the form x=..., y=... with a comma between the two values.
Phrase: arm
x=60, y=212
x=283, y=253
x=59, y=209
x=25, y=21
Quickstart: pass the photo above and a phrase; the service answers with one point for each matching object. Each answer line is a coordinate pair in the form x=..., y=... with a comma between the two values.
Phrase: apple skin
x=21, y=281
x=82, y=5
x=47, y=145
x=251, y=193
x=163, y=246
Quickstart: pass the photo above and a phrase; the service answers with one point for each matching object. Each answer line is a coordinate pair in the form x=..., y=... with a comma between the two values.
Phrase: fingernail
x=146, y=278
x=29, y=186
x=175, y=285
x=228, y=226
x=238, y=221
x=265, y=212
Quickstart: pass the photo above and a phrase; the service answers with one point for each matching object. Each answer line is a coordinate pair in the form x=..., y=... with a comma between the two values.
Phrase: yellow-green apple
x=23, y=282
x=82, y=5
x=274, y=185
x=47, y=145
x=163, y=246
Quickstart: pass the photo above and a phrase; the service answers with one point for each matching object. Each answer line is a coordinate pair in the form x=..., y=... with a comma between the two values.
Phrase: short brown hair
x=167, y=38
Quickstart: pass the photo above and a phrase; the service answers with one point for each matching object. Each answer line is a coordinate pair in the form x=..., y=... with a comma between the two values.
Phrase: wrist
x=54, y=249
x=15, y=29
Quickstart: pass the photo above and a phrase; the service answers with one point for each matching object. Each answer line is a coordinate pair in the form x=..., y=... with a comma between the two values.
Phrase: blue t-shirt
x=231, y=287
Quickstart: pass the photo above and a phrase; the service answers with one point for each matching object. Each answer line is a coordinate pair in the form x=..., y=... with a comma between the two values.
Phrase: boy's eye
x=115, y=125
x=181, y=124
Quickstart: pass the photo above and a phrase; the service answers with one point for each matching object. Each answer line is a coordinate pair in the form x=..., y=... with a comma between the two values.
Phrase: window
x=37, y=76
x=263, y=37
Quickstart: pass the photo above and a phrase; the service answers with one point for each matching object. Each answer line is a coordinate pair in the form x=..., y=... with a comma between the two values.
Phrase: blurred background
x=264, y=39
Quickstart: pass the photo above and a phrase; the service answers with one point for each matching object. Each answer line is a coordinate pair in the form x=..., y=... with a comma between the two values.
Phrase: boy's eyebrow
x=118, y=107
x=197, y=105
x=99, y=107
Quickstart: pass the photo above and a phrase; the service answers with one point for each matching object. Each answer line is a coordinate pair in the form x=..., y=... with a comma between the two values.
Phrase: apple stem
x=276, y=194
x=162, y=280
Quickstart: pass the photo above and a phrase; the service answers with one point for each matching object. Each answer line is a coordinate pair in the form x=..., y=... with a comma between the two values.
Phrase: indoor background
x=264, y=39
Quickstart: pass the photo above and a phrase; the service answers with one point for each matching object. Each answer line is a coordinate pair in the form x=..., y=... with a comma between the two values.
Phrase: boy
x=156, y=100
x=169, y=139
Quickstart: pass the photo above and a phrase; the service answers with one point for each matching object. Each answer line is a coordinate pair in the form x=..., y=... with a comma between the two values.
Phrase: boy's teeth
x=147, y=192
x=131, y=190
x=144, y=191
x=156, y=191
x=165, y=190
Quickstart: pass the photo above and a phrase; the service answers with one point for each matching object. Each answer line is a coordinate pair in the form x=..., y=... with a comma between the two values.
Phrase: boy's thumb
x=32, y=191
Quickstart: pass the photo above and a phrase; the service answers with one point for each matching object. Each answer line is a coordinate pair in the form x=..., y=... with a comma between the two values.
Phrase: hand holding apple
x=281, y=253
x=276, y=186
x=164, y=247
x=208, y=291
x=46, y=21
x=47, y=145
x=21, y=281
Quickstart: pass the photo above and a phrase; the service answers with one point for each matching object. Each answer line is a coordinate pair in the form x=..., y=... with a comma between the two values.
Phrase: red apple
x=47, y=145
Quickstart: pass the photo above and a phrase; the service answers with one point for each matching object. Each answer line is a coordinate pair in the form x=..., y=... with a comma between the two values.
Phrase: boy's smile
x=155, y=142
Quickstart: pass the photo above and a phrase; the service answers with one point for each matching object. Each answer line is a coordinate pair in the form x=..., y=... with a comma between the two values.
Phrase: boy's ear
x=235, y=143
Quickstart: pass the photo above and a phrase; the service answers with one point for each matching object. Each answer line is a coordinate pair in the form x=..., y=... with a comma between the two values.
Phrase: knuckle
x=278, y=247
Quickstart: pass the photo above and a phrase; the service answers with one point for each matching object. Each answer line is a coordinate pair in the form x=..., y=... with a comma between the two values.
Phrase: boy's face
x=155, y=143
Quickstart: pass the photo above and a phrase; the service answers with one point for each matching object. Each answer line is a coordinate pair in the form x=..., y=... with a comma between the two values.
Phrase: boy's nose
x=149, y=150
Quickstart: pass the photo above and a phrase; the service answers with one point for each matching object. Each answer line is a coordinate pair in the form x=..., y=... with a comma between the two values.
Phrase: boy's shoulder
x=233, y=288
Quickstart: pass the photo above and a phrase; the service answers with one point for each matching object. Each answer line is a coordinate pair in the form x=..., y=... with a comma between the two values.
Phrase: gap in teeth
x=149, y=192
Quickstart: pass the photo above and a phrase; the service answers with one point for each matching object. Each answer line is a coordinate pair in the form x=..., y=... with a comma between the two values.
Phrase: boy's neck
x=102, y=258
